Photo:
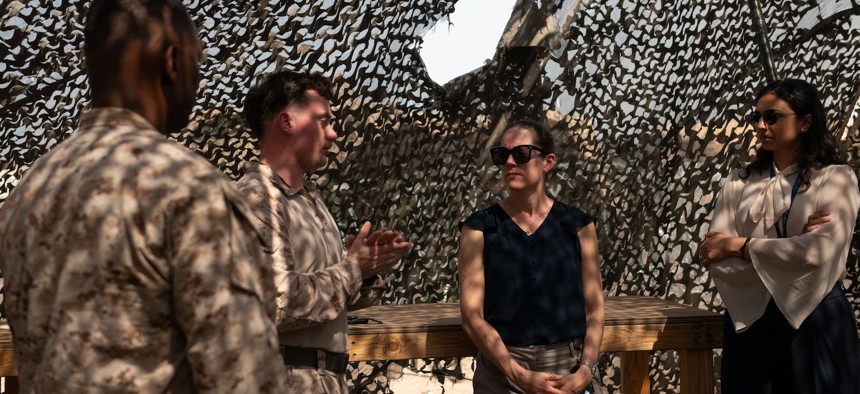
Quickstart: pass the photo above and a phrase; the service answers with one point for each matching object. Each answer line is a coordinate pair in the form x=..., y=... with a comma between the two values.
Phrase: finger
x=349, y=240
x=551, y=376
x=363, y=231
x=552, y=390
x=818, y=219
x=372, y=238
x=392, y=251
x=556, y=384
x=403, y=246
x=386, y=238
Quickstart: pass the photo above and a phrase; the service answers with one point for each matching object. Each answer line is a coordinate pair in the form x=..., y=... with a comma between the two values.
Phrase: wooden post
x=635, y=373
x=697, y=371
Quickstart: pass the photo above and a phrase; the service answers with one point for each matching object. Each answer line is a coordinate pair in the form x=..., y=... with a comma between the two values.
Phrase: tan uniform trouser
x=314, y=381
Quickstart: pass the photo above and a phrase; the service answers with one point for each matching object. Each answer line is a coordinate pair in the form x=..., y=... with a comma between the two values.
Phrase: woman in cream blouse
x=788, y=326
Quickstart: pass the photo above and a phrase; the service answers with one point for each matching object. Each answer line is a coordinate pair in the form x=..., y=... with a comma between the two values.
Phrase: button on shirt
x=533, y=283
x=132, y=266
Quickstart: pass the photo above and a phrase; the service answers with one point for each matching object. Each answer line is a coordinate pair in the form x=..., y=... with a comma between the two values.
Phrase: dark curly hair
x=818, y=146
x=276, y=91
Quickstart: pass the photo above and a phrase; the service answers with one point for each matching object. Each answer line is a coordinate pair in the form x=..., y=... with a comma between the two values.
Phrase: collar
x=309, y=188
x=775, y=198
x=108, y=116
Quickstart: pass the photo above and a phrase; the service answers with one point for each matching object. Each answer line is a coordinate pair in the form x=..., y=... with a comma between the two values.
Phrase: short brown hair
x=276, y=91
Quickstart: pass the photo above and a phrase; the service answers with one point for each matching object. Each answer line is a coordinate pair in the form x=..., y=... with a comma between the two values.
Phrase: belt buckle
x=321, y=359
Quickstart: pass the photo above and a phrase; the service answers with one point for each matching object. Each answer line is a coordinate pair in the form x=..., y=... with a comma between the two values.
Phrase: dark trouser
x=822, y=356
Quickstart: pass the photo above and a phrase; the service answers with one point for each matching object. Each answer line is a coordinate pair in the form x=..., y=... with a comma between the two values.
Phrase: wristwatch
x=583, y=362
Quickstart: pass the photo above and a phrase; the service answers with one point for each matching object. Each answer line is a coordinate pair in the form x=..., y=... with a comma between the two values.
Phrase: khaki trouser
x=557, y=358
x=313, y=380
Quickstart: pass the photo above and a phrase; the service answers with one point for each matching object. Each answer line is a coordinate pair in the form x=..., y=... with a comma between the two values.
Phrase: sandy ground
x=412, y=382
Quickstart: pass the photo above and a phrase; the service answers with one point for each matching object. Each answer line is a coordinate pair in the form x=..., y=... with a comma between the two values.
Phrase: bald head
x=143, y=55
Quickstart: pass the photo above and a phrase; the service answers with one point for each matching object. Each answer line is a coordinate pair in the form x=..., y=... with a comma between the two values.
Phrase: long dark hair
x=817, y=145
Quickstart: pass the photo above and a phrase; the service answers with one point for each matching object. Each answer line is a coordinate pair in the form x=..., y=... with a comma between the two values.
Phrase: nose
x=510, y=160
x=760, y=125
x=330, y=133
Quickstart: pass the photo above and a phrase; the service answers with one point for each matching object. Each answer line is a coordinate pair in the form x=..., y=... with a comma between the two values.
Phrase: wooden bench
x=634, y=326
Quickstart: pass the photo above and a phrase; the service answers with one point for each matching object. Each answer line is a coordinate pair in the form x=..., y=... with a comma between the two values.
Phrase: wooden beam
x=635, y=377
x=697, y=371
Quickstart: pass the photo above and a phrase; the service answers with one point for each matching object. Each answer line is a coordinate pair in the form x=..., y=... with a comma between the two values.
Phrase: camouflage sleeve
x=223, y=296
x=314, y=298
x=369, y=294
x=304, y=299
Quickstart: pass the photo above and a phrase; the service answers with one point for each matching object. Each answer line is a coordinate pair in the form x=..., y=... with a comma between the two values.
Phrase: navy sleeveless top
x=533, y=284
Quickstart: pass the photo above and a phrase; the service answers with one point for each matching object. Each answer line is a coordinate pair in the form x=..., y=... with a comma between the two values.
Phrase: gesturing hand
x=376, y=251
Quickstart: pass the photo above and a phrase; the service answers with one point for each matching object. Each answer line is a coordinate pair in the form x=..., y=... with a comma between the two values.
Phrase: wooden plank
x=697, y=371
x=637, y=337
x=635, y=373
x=409, y=346
x=658, y=325
x=624, y=310
x=650, y=310
x=7, y=354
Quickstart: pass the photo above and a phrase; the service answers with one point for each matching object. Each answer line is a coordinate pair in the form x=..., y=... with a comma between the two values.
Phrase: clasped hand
x=549, y=383
x=376, y=251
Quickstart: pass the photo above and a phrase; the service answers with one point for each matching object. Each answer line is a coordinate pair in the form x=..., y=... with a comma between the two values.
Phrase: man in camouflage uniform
x=316, y=279
x=131, y=263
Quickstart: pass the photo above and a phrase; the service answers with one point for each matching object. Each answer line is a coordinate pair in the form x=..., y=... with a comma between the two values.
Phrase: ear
x=171, y=63
x=285, y=122
x=549, y=162
x=805, y=123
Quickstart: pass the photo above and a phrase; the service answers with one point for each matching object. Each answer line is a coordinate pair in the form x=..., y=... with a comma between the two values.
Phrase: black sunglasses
x=770, y=117
x=521, y=153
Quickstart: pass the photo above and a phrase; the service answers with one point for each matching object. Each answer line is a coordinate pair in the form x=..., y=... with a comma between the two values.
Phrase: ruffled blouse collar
x=775, y=198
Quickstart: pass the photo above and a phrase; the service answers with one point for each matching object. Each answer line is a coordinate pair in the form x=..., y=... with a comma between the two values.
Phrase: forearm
x=308, y=299
x=594, y=330
x=491, y=346
x=368, y=295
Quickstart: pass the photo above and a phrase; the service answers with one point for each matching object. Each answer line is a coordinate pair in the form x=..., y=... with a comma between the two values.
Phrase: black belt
x=315, y=358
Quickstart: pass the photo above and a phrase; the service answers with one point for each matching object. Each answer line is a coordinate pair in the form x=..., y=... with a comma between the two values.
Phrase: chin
x=514, y=185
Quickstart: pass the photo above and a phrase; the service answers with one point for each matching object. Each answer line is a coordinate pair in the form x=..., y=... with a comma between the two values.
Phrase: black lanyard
x=794, y=189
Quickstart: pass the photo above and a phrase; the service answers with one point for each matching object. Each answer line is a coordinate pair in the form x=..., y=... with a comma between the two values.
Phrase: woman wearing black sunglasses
x=789, y=327
x=531, y=296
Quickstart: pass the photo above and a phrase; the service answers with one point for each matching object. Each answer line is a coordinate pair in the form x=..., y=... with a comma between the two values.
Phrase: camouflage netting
x=646, y=99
